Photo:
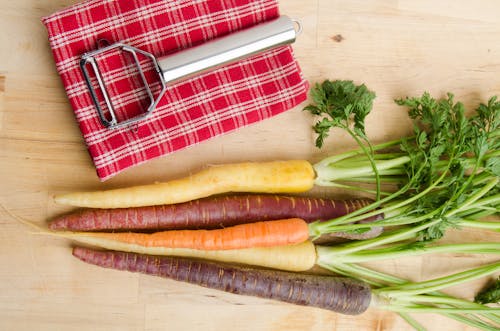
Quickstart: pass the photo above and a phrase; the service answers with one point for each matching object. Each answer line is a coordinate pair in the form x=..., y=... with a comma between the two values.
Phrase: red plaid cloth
x=190, y=112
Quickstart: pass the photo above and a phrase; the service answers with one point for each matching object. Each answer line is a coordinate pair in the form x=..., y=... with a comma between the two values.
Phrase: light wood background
x=397, y=48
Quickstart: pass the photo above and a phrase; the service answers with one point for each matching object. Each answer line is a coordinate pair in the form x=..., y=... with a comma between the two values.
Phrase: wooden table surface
x=397, y=48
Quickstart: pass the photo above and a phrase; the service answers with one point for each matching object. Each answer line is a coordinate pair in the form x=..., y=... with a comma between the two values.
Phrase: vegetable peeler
x=184, y=64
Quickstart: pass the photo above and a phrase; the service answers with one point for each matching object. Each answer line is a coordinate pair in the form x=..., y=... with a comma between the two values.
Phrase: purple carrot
x=339, y=294
x=215, y=212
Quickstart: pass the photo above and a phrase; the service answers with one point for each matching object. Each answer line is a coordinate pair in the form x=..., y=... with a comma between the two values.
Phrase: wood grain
x=397, y=48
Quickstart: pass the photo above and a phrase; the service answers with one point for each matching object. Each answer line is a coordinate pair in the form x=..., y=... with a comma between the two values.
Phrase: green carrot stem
x=440, y=300
x=367, y=226
x=479, y=224
x=426, y=309
x=413, y=323
x=475, y=197
x=476, y=213
x=343, y=272
x=355, y=188
x=376, y=274
x=376, y=156
x=359, y=271
x=456, y=302
x=360, y=162
x=439, y=283
x=466, y=185
x=364, y=167
x=492, y=200
x=480, y=179
x=338, y=157
x=492, y=154
x=369, y=154
x=329, y=173
x=474, y=201
x=331, y=253
x=344, y=171
x=368, y=274
x=397, y=252
x=319, y=228
x=384, y=179
x=365, y=273
x=474, y=322
x=386, y=222
x=476, y=248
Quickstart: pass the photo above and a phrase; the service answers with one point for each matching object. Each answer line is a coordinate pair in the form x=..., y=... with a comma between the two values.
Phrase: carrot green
x=447, y=170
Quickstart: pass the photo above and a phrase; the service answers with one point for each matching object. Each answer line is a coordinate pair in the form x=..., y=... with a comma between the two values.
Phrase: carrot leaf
x=490, y=294
x=342, y=104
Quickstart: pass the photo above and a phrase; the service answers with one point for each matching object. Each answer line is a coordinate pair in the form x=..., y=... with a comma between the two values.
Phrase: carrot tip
x=60, y=199
x=77, y=251
x=55, y=226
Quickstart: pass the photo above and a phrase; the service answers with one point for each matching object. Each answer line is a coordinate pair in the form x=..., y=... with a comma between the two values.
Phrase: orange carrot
x=259, y=234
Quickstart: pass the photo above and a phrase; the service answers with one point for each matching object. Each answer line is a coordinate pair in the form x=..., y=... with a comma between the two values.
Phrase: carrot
x=338, y=294
x=214, y=212
x=259, y=234
x=296, y=257
x=267, y=177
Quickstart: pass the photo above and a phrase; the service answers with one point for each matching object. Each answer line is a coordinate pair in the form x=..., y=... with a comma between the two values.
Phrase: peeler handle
x=224, y=50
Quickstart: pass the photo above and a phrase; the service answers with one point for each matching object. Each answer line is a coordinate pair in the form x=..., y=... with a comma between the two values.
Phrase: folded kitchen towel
x=191, y=111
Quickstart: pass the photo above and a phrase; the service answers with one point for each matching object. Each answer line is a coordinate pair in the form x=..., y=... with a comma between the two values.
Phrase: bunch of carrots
x=261, y=241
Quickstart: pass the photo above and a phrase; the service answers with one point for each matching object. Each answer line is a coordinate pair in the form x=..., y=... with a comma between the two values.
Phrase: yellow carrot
x=297, y=257
x=266, y=177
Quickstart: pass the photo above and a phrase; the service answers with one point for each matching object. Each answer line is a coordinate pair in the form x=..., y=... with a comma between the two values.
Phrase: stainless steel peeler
x=187, y=63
